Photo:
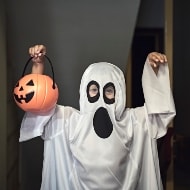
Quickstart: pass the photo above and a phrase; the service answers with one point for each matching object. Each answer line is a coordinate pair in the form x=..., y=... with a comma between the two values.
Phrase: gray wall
x=8, y=120
x=3, y=101
x=76, y=33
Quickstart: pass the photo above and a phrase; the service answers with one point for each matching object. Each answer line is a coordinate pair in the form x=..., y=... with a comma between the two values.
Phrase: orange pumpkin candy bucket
x=36, y=92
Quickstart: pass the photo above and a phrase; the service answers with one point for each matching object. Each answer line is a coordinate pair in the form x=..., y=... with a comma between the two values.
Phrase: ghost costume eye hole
x=109, y=93
x=92, y=91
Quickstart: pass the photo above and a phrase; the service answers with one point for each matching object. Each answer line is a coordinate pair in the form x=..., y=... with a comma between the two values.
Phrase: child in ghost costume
x=104, y=146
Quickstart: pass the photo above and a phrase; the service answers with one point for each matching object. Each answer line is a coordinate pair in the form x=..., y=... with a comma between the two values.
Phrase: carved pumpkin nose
x=21, y=88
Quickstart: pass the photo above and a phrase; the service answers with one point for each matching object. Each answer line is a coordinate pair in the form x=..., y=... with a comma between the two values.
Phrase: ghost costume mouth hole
x=102, y=123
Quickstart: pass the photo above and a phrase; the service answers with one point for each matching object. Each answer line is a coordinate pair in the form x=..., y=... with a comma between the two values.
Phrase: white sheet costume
x=105, y=146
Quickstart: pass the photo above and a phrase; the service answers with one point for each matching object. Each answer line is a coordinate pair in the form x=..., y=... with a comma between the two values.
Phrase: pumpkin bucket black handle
x=23, y=73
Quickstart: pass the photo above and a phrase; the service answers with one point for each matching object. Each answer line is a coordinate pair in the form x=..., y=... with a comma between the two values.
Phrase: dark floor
x=181, y=165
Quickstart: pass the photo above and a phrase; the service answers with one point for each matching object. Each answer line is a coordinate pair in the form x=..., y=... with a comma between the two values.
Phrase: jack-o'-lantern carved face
x=35, y=93
x=23, y=96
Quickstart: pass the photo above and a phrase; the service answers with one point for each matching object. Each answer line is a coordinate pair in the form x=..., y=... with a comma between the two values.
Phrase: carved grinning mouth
x=27, y=99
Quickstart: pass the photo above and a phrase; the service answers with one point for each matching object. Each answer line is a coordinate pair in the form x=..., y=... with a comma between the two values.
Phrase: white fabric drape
x=75, y=158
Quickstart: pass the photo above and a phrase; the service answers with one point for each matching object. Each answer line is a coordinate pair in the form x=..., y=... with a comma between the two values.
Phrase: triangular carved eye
x=30, y=83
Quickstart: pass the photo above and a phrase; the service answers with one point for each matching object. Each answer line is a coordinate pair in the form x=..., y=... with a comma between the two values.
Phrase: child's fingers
x=157, y=58
x=37, y=51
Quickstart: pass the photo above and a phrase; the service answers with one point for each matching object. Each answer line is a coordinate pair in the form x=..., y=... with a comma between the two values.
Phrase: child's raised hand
x=37, y=52
x=155, y=59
